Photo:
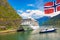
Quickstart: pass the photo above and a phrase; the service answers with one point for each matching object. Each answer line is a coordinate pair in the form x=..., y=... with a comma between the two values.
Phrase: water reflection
x=31, y=35
x=46, y=36
x=23, y=36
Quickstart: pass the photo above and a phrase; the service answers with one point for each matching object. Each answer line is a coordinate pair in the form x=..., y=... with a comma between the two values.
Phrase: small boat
x=48, y=30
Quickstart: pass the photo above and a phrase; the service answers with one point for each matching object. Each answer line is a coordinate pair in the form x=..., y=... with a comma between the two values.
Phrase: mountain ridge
x=42, y=20
x=54, y=21
x=8, y=16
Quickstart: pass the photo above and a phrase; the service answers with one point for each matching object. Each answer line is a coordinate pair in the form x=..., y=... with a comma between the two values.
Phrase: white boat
x=48, y=30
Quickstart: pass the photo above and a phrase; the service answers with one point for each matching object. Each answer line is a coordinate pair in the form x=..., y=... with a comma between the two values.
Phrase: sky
x=28, y=4
x=30, y=8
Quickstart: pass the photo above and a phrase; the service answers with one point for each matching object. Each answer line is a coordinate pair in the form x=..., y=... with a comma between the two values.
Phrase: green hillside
x=8, y=16
x=53, y=21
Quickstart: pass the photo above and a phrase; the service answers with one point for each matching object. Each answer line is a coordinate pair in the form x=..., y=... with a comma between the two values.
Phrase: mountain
x=42, y=20
x=54, y=21
x=8, y=16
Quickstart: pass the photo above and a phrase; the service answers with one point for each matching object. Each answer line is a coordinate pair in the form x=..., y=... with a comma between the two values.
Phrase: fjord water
x=31, y=35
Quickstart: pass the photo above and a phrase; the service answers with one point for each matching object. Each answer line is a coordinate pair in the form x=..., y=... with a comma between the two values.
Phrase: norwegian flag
x=58, y=5
x=58, y=2
x=51, y=7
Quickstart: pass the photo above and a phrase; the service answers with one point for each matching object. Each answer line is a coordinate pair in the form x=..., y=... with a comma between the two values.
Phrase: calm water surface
x=33, y=35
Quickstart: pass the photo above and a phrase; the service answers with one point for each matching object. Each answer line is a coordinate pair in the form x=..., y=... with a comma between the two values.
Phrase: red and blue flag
x=51, y=7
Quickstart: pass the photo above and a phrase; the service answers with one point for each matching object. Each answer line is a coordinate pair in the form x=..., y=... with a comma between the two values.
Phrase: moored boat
x=48, y=30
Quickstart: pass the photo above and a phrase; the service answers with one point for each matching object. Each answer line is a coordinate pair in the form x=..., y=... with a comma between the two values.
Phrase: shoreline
x=8, y=31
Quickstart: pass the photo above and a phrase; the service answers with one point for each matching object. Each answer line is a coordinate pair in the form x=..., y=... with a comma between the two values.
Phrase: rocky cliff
x=8, y=16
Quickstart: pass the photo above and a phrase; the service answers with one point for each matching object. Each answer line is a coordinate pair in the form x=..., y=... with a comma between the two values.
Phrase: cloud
x=19, y=11
x=30, y=4
x=36, y=14
x=32, y=13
